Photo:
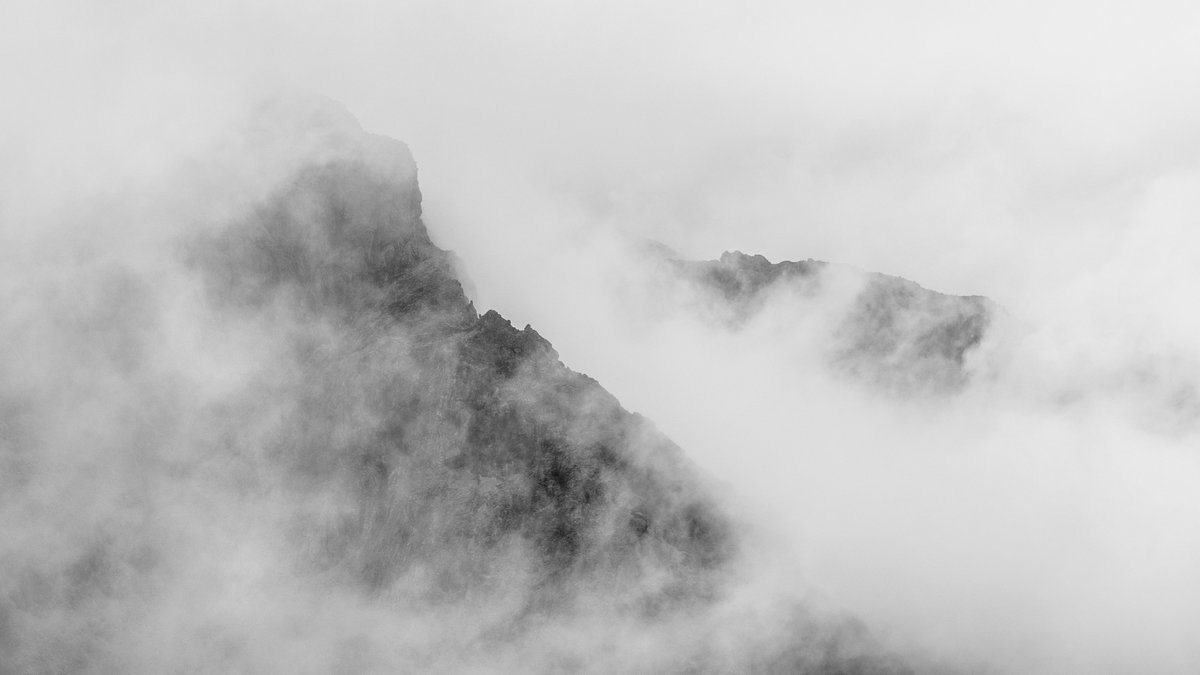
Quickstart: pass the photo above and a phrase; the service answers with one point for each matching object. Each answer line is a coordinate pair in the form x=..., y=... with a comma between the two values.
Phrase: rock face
x=479, y=434
x=890, y=331
x=485, y=457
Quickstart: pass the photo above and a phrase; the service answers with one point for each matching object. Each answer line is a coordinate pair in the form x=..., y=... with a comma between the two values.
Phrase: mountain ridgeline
x=889, y=331
x=478, y=434
x=479, y=467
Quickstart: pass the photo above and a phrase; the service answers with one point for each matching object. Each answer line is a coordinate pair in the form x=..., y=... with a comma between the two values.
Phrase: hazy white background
x=1044, y=154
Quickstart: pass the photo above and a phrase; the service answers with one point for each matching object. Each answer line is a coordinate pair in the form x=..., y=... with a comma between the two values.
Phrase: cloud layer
x=1042, y=154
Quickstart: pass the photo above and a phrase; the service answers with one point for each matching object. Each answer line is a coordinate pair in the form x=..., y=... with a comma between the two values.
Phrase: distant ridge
x=893, y=332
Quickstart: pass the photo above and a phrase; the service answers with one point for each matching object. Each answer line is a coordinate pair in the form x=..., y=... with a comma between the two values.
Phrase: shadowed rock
x=892, y=332
x=479, y=436
x=391, y=454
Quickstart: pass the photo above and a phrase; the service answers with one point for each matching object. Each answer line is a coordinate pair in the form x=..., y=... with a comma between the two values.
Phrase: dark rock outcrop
x=461, y=438
x=892, y=332
x=478, y=433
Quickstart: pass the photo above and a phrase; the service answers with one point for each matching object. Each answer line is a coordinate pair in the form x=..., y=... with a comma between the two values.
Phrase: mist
x=1040, y=154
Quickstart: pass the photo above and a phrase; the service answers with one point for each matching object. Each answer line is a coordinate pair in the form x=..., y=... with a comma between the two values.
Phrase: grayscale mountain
x=886, y=330
x=392, y=481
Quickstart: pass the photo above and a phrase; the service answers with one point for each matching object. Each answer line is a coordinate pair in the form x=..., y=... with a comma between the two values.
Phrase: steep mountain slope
x=485, y=456
x=387, y=481
x=478, y=433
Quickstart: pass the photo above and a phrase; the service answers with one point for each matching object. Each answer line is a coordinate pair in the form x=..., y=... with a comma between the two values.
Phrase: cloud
x=1041, y=154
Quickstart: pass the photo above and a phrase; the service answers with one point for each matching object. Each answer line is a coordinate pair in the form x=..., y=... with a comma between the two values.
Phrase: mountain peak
x=892, y=331
x=375, y=456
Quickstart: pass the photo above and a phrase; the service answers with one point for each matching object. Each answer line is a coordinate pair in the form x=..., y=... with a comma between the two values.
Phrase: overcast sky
x=976, y=147
x=1045, y=154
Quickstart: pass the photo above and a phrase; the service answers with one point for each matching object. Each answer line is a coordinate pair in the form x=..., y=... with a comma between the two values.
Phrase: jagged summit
x=891, y=331
x=326, y=460
x=481, y=442
x=740, y=276
x=344, y=242
x=311, y=129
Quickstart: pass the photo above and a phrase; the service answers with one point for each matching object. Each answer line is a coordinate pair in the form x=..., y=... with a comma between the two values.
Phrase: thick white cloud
x=1044, y=154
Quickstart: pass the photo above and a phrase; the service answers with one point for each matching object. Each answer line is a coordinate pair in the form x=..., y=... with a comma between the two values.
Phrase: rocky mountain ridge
x=890, y=332
x=382, y=478
x=485, y=439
